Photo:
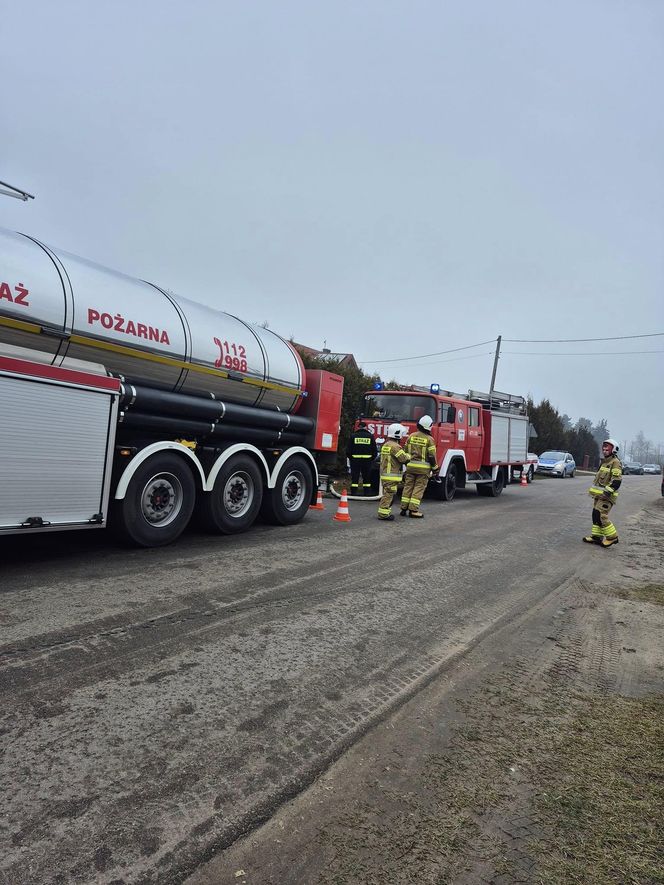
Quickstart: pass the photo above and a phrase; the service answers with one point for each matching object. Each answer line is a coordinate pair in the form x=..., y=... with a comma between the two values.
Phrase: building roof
x=344, y=359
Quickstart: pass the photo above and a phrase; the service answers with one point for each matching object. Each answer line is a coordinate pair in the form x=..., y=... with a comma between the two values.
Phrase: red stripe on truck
x=54, y=373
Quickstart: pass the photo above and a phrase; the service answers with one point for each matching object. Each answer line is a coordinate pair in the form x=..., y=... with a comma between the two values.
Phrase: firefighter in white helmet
x=604, y=492
x=392, y=456
x=422, y=450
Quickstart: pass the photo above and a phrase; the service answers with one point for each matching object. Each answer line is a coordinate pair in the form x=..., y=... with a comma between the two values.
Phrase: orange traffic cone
x=342, y=514
x=524, y=481
x=319, y=502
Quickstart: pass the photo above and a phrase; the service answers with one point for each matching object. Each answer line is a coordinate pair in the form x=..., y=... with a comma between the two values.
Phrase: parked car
x=555, y=463
x=633, y=467
x=654, y=469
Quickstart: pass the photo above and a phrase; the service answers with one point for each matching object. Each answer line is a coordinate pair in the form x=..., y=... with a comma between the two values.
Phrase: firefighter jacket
x=392, y=456
x=361, y=445
x=607, y=479
x=422, y=450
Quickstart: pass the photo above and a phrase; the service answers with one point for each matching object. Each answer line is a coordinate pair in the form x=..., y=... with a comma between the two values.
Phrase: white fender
x=208, y=485
x=147, y=452
x=449, y=454
x=295, y=450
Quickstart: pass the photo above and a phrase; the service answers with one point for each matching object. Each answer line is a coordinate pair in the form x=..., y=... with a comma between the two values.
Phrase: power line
x=454, y=359
x=421, y=356
x=577, y=340
x=580, y=353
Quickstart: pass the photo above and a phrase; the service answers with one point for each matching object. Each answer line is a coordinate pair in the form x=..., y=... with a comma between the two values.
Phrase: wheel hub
x=161, y=500
x=293, y=490
x=238, y=494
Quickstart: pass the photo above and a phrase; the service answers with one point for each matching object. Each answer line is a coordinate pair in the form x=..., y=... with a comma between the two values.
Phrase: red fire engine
x=480, y=438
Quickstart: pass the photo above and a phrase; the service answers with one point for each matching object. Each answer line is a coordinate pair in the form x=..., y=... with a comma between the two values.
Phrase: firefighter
x=422, y=450
x=392, y=456
x=604, y=492
x=361, y=451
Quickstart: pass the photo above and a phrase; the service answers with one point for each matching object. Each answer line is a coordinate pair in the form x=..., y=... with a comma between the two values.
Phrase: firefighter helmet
x=425, y=422
x=614, y=445
x=395, y=431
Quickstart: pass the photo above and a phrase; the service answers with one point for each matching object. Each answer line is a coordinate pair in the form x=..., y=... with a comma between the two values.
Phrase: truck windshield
x=399, y=407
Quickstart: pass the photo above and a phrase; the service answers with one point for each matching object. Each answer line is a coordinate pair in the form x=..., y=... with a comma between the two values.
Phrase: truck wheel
x=492, y=489
x=530, y=475
x=159, y=501
x=233, y=504
x=449, y=484
x=289, y=500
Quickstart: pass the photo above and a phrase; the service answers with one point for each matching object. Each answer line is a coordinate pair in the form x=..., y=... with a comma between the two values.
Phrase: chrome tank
x=69, y=307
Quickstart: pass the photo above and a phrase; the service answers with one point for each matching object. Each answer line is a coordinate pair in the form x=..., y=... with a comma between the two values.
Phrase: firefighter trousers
x=385, y=503
x=602, y=525
x=359, y=466
x=414, y=485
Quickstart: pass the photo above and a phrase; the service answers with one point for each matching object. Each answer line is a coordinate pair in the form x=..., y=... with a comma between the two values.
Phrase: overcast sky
x=393, y=178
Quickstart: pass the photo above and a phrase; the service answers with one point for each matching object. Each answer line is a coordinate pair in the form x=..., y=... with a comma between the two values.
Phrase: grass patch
x=600, y=796
x=653, y=593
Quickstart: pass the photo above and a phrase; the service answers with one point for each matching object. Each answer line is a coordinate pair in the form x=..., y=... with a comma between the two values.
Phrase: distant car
x=655, y=469
x=555, y=463
x=633, y=467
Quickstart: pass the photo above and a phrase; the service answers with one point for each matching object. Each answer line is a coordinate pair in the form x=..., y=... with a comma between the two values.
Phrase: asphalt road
x=158, y=703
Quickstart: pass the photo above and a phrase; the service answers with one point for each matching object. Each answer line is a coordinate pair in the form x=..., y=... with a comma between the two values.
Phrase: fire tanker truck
x=119, y=398
x=480, y=438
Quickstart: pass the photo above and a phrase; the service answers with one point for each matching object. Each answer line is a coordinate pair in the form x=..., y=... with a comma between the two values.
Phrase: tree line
x=582, y=438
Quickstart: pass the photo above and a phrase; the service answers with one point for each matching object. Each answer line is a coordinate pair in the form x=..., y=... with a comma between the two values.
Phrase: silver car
x=556, y=463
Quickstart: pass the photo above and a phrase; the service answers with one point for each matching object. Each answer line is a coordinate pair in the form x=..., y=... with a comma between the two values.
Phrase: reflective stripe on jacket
x=392, y=456
x=361, y=445
x=422, y=449
x=607, y=479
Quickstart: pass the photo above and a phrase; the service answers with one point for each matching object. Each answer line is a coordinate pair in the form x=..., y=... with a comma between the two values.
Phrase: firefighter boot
x=415, y=514
x=592, y=539
x=403, y=512
x=609, y=542
x=389, y=518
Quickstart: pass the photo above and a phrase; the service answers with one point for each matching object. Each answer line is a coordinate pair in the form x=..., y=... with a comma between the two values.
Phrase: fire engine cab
x=480, y=438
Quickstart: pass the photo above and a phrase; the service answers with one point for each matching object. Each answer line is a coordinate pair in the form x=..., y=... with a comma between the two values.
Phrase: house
x=344, y=359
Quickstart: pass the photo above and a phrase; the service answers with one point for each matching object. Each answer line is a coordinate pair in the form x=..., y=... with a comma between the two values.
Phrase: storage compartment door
x=518, y=439
x=54, y=443
x=500, y=435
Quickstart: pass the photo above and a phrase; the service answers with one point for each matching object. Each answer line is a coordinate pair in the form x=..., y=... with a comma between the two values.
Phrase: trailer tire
x=158, y=503
x=289, y=500
x=492, y=489
x=530, y=476
x=233, y=504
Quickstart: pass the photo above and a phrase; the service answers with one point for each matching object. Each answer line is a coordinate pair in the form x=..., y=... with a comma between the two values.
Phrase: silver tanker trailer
x=119, y=397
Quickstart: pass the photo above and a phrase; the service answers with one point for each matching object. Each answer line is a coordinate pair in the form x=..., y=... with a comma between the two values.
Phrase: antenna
x=8, y=190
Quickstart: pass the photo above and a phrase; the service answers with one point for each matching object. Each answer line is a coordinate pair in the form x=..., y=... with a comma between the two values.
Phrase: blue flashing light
x=378, y=385
x=435, y=388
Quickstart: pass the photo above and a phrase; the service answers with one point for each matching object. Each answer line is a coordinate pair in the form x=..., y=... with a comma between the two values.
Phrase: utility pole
x=495, y=368
x=8, y=190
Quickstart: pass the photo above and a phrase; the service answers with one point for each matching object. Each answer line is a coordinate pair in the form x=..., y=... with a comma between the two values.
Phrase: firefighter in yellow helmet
x=392, y=456
x=422, y=450
x=604, y=492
